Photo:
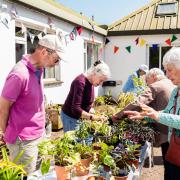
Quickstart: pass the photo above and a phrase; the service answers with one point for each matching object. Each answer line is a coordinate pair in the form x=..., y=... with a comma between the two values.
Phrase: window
x=90, y=54
x=164, y=9
x=156, y=56
x=25, y=43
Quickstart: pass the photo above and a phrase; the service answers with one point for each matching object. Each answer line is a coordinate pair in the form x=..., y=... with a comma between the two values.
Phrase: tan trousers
x=30, y=153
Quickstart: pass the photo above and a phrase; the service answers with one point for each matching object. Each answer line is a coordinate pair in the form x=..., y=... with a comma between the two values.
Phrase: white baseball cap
x=144, y=68
x=55, y=43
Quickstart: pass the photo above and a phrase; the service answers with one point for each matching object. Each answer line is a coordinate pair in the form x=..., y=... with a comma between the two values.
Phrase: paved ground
x=153, y=173
x=156, y=172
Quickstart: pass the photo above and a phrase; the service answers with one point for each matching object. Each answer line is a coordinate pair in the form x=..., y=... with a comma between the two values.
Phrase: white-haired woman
x=81, y=96
x=169, y=116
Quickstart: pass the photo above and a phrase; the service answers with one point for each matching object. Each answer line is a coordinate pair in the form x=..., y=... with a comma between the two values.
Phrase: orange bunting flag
x=142, y=42
x=116, y=49
x=168, y=41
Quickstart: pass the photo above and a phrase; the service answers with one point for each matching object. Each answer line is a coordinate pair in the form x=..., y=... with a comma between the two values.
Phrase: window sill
x=51, y=82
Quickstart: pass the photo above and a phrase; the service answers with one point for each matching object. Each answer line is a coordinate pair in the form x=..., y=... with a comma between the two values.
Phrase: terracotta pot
x=81, y=170
x=136, y=163
x=62, y=173
x=96, y=178
x=86, y=162
x=120, y=178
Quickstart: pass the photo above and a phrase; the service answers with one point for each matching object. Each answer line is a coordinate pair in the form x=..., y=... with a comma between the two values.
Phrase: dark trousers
x=171, y=171
x=164, y=148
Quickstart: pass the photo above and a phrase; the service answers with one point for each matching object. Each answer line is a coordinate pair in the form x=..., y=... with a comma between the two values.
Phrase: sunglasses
x=51, y=52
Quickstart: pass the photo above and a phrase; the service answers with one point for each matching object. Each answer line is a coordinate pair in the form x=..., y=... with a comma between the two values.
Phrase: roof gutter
x=45, y=7
x=143, y=32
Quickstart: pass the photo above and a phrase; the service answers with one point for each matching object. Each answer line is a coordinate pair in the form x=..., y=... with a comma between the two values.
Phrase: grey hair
x=172, y=57
x=101, y=69
x=157, y=72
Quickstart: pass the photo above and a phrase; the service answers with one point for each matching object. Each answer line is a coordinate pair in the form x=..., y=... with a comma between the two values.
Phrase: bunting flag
x=93, y=38
x=137, y=41
x=128, y=48
x=39, y=35
x=72, y=36
x=116, y=49
x=173, y=38
x=107, y=41
x=50, y=22
x=67, y=39
x=168, y=41
x=79, y=29
x=142, y=42
x=13, y=12
x=45, y=30
x=155, y=47
x=23, y=28
x=75, y=32
x=32, y=36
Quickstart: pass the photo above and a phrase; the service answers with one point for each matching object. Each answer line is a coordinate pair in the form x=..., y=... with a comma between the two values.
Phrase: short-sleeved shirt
x=80, y=97
x=27, y=115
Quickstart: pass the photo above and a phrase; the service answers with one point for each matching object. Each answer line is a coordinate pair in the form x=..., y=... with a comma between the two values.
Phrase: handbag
x=173, y=152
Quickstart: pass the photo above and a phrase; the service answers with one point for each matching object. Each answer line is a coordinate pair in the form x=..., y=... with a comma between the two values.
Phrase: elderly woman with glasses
x=169, y=116
x=81, y=96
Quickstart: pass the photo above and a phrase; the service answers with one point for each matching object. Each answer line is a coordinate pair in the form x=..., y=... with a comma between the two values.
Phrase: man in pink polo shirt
x=22, y=113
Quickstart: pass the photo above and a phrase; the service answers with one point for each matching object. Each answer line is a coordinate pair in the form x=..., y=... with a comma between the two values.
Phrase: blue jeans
x=69, y=123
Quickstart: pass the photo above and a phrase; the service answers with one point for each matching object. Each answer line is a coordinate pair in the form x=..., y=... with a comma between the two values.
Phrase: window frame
x=93, y=59
x=159, y=14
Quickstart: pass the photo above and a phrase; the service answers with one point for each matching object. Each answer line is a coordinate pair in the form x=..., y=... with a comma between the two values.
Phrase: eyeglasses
x=51, y=52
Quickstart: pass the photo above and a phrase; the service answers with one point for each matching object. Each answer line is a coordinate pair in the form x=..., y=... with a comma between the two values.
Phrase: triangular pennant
x=13, y=12
x=107, y=41
x=67, y=39
x=116, y=49
x=75, y=32
x=173, y=38
x=32, y=36
x=23, y=28
x=72, y=36
x=168, y=41
x=79, y=29
x=128, y=48
x=142, y=42
x=137, y=41
x=39, y=35
x=45, y=30
x=155, y=47
x=50, y=22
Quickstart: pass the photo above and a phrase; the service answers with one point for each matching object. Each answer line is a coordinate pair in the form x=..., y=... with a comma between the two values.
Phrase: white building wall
x=74, y=51
x=122, y=63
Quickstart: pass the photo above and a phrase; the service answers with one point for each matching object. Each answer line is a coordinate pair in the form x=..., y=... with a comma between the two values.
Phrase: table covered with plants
x=98, y=150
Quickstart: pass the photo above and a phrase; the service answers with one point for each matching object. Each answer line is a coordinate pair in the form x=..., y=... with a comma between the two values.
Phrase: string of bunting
x=141, y=42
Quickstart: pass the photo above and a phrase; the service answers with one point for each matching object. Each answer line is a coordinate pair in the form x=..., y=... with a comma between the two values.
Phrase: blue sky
x=104, y=11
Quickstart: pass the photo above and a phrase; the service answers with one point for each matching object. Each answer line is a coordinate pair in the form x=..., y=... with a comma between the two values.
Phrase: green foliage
x=45, y=166
x=10, y=170
x=84, y=150
x=124, y=99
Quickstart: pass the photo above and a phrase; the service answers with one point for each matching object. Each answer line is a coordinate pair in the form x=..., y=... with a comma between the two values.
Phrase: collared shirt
x=27, y=115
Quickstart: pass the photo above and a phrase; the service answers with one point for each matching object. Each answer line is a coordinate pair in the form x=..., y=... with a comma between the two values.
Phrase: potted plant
x=86, y=157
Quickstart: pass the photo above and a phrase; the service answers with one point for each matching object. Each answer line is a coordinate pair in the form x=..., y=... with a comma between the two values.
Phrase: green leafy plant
x=10, y=170
x=84, y=150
